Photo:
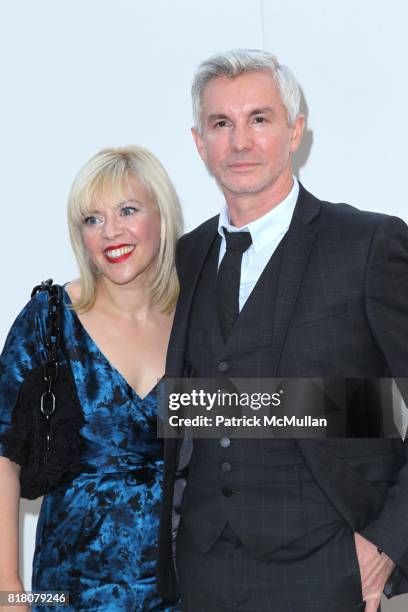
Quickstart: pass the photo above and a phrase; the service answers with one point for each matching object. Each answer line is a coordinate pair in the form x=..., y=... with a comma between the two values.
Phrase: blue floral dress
x=97, y=536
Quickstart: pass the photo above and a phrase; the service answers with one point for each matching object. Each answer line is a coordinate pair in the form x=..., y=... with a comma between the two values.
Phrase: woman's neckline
x=102, y=354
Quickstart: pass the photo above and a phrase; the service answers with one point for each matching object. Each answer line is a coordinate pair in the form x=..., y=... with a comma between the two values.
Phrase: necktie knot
x=237, y=241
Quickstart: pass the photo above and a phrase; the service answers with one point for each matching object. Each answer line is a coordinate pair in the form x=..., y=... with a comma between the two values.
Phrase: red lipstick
x=119, y=257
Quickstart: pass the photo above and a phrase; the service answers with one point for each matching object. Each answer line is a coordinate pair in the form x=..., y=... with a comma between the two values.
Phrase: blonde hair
x=109, y=170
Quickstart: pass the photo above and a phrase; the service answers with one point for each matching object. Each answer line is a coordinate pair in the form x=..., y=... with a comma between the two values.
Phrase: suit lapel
x=297, y=248
x=191, y=264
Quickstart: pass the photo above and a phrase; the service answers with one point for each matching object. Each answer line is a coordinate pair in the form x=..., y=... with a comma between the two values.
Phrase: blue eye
x=126, y=211
x=91, y=220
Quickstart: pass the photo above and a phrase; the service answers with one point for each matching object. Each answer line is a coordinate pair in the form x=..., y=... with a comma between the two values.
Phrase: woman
x=97, y=536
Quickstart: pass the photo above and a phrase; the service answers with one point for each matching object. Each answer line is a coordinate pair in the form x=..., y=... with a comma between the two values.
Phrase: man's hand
x=375, y=569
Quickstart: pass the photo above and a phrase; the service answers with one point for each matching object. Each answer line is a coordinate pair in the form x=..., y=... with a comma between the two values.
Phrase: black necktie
x=228, y=279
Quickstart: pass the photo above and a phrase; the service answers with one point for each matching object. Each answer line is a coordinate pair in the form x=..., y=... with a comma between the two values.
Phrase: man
x=321, y=291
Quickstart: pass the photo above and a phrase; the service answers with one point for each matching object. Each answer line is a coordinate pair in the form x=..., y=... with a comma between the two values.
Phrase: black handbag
x=44, y=435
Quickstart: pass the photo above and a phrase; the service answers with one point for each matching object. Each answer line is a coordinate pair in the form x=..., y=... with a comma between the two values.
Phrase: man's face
x=245, y=140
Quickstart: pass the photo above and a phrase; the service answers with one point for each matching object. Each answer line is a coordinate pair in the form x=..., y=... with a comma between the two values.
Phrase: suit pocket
x=376, y=468
x=316, y=315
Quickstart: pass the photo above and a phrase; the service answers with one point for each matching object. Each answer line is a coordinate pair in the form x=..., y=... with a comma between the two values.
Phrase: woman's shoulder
x=29, y=321
x=37, y=304
x=37, y=307
x=73, y=289
x=39, y=299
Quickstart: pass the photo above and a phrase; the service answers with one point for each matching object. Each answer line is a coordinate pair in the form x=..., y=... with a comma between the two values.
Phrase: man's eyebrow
x=216, y=117
x=262, y=111
x=257, y=111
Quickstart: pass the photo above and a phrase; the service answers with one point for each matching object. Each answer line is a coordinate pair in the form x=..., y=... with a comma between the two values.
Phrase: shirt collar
x=269, y=226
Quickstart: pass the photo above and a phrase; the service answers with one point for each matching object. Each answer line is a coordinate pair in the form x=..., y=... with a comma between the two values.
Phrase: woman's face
x=122, y=237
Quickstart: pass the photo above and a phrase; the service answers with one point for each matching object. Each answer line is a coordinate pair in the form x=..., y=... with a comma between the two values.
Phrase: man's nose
x=241, y=138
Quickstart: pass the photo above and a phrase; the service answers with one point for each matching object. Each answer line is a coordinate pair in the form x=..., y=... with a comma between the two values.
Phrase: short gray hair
x=238, y=61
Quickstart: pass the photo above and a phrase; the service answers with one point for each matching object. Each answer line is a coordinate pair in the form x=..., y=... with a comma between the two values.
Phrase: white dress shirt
x=266, y=233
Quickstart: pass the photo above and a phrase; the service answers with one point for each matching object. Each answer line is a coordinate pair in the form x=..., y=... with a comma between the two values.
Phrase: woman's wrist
x=11, y=583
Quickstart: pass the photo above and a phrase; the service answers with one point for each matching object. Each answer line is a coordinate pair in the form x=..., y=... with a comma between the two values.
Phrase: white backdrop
x=78, y=76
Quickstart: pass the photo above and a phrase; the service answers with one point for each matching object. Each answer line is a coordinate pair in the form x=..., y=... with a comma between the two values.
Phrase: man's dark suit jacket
x=341, y=310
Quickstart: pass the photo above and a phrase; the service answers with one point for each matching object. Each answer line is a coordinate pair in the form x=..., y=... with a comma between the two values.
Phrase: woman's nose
x=111, y=228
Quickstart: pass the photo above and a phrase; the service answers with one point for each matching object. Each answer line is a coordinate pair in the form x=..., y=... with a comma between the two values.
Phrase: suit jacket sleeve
x=386, y=293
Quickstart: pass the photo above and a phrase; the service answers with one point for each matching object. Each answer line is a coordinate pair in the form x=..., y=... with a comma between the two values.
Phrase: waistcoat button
x=223, y=366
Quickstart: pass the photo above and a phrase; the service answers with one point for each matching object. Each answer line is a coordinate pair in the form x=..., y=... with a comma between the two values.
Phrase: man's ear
x=297, y=132
x=199, y=143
